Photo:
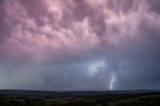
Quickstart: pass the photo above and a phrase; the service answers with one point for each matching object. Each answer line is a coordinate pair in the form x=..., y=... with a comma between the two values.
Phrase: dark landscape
x=79, y=98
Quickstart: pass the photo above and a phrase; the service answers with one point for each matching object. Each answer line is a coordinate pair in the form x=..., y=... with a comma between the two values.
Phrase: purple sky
x=79, y=44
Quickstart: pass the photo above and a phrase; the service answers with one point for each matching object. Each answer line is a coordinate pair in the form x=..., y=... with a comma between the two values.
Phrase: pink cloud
x=29, y=38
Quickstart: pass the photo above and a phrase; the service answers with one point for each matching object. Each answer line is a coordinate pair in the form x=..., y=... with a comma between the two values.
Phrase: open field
x=81, y=98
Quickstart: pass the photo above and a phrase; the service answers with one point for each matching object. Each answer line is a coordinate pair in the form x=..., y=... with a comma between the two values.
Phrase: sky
x=80, y=44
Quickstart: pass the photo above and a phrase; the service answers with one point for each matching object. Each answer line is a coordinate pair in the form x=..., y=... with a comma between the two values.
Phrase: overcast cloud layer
x=80, y=44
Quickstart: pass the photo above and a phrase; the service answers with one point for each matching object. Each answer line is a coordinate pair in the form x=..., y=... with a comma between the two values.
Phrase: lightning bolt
x=113, y=79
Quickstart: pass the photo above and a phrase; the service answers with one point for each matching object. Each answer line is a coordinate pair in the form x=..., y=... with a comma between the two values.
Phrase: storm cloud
x=80, y=44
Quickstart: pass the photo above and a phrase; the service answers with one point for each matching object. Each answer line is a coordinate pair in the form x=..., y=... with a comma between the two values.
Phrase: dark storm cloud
x=154, y=5
x=80, y=44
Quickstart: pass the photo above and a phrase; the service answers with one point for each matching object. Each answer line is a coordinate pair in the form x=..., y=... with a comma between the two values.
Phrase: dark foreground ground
x=91, y=98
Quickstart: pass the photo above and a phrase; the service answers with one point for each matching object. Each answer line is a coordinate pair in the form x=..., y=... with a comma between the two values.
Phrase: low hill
x=79, y=98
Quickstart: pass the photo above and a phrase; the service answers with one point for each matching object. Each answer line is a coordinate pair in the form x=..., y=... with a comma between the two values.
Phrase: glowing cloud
x=94, y=68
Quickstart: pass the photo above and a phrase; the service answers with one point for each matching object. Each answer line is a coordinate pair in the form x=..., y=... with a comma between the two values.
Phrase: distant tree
x=14, y=103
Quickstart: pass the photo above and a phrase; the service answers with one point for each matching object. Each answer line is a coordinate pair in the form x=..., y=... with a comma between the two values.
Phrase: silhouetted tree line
x=103, y=100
